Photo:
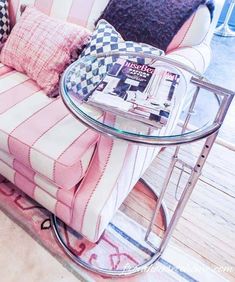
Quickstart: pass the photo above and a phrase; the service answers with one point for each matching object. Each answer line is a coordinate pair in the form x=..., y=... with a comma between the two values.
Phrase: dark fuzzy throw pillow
x=154, y=22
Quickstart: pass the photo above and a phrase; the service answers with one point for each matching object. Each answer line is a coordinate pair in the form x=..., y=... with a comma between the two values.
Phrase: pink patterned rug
x=115, y=250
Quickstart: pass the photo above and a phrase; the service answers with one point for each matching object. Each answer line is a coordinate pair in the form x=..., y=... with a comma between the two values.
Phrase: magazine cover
x=137, y=91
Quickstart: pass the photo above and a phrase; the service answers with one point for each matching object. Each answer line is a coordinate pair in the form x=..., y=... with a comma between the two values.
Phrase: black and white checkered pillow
x=4, y=21
x=87, y=72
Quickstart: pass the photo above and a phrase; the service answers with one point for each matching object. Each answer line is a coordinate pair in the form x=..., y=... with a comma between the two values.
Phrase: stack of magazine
x=137, y=91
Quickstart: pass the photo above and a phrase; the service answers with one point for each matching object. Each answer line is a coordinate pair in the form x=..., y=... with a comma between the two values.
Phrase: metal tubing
x=221, y=91
x=161, y=196
x=138, y=139
x=185, y=124
x=171, y=167
x=188, y=190
x=210, y=133
x=191, y=107
x=105, y=272
x=142, y=139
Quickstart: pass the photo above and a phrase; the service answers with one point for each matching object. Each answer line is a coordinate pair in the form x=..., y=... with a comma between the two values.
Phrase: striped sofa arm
x=196, y=57
x=115, y=168
x=191, y=45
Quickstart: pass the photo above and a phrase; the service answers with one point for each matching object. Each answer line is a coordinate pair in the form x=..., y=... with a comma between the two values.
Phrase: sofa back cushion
x=82, y=12
x=86, y=12
x=42, y=47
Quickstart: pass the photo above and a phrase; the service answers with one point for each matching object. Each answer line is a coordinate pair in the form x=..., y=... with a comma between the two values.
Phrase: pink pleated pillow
x=42, y=47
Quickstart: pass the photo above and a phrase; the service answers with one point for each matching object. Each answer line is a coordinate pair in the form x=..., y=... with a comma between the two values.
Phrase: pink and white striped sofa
x=69, y=169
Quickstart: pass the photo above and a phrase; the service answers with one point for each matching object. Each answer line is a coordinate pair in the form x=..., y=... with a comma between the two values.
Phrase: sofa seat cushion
x=48, y=201
x=101, y=195
x=40, y=132
x=18, y=174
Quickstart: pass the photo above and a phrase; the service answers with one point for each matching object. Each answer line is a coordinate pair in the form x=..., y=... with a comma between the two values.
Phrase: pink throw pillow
x=42, y=47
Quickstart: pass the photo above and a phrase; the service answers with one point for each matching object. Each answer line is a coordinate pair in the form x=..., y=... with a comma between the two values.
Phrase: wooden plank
x=209, y=222
x=214, y=166
x=207, y=227
x=207, y=217
x=204, y=193
x=183, y=235
x=157, y=169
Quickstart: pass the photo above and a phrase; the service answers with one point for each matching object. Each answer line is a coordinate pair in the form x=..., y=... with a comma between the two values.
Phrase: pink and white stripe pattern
x=114, y=170
x=82, y=12
x=18, y=169
x=40, y=159
x=40, y=132
x=58, y=201
x=4, y=69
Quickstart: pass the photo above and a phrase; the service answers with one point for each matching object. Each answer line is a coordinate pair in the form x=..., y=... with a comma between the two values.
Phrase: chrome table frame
x=105, y=272
x=209, y=133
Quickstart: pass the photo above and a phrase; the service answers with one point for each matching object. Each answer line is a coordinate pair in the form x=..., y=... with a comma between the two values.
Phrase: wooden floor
x=207, y=228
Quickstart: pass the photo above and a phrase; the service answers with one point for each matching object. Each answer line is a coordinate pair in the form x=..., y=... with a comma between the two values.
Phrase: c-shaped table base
x=208, y=133
x=160, y=206
x=108, y=272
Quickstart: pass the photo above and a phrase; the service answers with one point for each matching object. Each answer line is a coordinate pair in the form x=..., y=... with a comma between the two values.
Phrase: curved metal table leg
x=107, y=272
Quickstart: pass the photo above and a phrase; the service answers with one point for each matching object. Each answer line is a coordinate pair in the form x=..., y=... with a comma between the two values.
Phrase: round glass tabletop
x=103, y=92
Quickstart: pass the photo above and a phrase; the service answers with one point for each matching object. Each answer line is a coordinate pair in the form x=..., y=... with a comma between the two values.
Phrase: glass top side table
x=137, y=132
